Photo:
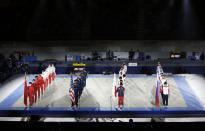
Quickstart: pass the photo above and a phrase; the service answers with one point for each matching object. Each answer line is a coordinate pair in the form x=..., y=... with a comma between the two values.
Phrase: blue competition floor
x=193, y=105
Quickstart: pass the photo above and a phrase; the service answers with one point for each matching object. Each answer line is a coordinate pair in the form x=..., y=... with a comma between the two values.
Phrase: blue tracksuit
x=76, y=93
x=83, y=80
x=80, y=86
x=86, y=75
x=79, y=82
x=120, y=91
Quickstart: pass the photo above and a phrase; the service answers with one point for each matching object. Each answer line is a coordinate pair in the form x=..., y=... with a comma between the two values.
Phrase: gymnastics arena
x=102, y=61
x=98, y=101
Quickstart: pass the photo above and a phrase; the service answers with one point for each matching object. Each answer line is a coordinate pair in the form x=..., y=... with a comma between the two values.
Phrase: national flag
x=25, y=91
x=157, y=95
x=71, y=90
x=114, y=85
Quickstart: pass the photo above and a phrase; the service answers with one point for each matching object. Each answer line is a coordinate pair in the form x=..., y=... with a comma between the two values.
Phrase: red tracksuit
x=41, y=84
x=38, y=87
x=120, y=101
x=35, y=90
x=53, y=76
x=31, y=92
x=49, y=78
x=46, y=82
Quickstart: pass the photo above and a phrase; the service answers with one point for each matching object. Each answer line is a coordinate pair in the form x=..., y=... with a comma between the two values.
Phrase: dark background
x=34, y=20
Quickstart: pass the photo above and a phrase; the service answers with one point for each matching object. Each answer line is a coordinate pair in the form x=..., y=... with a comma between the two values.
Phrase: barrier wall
x=141, y=69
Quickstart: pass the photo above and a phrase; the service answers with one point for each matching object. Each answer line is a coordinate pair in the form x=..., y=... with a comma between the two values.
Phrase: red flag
x=25, y=92
x=114, y=85
x=115, y=91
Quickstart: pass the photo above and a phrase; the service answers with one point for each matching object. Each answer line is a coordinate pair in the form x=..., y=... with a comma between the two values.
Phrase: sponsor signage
x=78, y=64
x=132, y=64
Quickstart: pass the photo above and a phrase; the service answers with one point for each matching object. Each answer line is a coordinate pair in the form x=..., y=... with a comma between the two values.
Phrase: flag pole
x=112, y=101
x=70, y=88
x=25, y=90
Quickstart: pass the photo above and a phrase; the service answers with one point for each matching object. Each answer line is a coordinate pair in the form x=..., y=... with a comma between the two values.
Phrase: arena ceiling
x=28, y=20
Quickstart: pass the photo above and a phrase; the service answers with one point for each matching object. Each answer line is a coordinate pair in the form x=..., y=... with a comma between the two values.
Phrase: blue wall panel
x=131, y=70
